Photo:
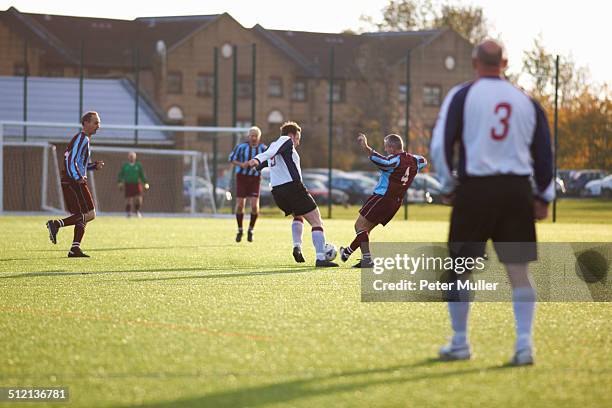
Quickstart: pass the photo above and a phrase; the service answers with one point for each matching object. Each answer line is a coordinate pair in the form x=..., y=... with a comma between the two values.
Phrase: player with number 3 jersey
x=397, y=170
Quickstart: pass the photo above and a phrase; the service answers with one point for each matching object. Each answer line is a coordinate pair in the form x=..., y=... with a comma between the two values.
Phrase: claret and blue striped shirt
x=76, y=157
x=245, y=152
x=396, y=172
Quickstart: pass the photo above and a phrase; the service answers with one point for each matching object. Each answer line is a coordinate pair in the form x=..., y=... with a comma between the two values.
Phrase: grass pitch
x=174, y=313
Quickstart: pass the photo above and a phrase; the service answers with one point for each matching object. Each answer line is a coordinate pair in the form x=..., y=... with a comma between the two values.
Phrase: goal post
x=184, y=174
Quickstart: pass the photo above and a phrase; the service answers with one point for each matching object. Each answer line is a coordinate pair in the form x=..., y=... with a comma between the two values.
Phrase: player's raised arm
x=280, y=145
x=363, y=143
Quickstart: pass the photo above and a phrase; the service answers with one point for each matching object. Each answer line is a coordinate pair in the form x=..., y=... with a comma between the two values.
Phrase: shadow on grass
x=293, y=390
x=158, y=270
x=132, y=248
x=227, y=275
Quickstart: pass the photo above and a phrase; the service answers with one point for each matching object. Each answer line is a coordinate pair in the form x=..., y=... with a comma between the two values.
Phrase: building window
x=245, y=87
x=174, y=83
x=299, y=91
x=175, y=113
x=275, y=87
x=401, y=92
x=432, y=95
x=338, y=91
x=205, y=85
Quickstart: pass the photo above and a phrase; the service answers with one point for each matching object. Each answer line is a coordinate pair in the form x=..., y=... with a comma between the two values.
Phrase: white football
x=330, y=252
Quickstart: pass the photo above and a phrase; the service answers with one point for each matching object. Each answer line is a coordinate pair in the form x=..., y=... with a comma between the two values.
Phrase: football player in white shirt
x=289, y=192
x=502, y=138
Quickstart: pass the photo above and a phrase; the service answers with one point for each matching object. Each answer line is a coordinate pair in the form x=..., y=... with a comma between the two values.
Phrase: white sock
x=318, y=240
x=297, y=227
x=523, y=303
x=458, y=312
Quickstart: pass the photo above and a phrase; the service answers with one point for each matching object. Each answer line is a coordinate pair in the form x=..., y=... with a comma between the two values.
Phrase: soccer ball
x=330, y=252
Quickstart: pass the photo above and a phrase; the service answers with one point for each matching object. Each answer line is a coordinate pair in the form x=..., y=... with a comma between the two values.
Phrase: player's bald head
x=489, y=53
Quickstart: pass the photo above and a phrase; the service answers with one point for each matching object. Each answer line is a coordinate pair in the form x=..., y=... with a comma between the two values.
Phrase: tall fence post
x=25, y=89
x=556, y=133
x=137, y=91
x=234, y=109
x=407, y=120
x=215, y=118
x=253, y=83
x=81, y=76
x=330, y=131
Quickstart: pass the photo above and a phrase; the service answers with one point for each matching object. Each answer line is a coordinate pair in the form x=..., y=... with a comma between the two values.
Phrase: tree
x=585, y=110
x=408, y=15
x=539, y=67
x=469, y=21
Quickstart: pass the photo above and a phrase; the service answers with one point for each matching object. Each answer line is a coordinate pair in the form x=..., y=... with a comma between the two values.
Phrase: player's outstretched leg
x=362, y=240
x=297, y=228
x=53, y=226
x=318, y=238
x=523, y=304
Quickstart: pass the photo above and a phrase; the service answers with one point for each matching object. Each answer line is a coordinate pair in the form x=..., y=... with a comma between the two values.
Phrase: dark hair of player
x=290, y=128
x=394, y=141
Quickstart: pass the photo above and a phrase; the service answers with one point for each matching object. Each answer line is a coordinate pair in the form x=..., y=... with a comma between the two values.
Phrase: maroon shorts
x=133, y=190
x=380, y=209
x=247, y=186
x=77, y=197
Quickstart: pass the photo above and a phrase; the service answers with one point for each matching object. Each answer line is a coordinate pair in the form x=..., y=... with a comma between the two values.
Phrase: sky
x=567, y=28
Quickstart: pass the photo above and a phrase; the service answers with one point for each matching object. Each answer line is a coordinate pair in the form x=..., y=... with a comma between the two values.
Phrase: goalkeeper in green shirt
x=132, y=180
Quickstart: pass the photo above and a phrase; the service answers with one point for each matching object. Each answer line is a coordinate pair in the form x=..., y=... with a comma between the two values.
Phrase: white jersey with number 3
x=499, y=129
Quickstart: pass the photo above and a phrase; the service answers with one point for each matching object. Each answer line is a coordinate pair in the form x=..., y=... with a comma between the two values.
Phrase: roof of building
x=57, y=100
x=114, y=40
x=108, y=42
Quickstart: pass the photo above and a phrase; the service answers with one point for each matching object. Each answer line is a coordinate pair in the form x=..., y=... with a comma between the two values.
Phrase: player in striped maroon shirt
x=396, y=174
x=74, y=185
x=248, y=179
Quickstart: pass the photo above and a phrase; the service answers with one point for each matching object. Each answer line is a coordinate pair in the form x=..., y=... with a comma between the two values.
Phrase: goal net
x=181, y=181
x=31, y=177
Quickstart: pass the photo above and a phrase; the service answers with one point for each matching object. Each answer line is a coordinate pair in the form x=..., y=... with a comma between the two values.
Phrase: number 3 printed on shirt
x=506, y=109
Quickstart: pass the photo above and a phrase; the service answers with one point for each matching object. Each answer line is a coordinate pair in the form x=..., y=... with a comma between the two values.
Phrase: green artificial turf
x=174, y=313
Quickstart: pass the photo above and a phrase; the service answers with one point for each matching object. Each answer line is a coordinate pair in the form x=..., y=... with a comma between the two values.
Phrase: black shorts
x=293, y=198
x=498, y=208
x=77, y=197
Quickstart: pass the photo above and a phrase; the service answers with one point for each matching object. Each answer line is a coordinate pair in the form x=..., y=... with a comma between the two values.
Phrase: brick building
x=175, y=63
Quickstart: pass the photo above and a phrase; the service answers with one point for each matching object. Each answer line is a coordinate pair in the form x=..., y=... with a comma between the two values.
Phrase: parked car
x=357, y=187
x=596, y=188
x=203, y=189
x=320, y=192
x=606, y=187
x=580, y=178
